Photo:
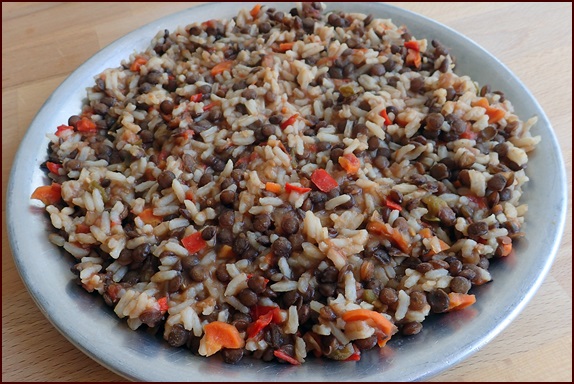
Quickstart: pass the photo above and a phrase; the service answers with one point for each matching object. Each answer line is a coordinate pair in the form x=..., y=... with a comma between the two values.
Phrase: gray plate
x=445, y=340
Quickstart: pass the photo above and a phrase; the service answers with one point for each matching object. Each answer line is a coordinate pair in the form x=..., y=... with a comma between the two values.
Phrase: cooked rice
x=192, y=192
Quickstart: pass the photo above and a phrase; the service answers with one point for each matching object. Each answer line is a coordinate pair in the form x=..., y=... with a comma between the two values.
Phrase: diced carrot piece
x=273, y=187
x=495, y=115
x=219, y=335
x=221, y=67
x=400, y=241
x=375, y=319
x=401, y=120
x=82, y=228
x=413, y=58
x=148, y=174
x=379, y=228
x=413, y=44
x=148, y=217
x=482, y=102
x=390, y=233
x=162, y=156
x=255, y=10
x=226, y=252
x=48, y=194
x=460, y=301
x=425, y=233
x=283, y=47
x=385, y=116
x=443, y=246
x=506, y=249
x=138, y=62
x=186, y=135
x=350, y=163
x=324, y=60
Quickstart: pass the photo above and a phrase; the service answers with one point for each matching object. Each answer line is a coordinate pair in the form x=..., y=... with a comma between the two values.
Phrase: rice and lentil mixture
x=287, y=184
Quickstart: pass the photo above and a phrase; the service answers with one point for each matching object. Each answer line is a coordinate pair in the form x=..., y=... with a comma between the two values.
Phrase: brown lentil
x=411, y=328
x=478, y=228
x=388, y=296
x=282, y=247
x=438, y=300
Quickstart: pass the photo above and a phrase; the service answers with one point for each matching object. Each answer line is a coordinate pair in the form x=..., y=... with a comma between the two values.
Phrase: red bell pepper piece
x=413, y=44
x=469, y=133
x=48, y=194
x=188, y=134
x=289, y=121
x=261, y=310
x=391, y=204
x=356, y=356
x=63, y=128
x=196, y=98
x=323, y=180
x=194, y=242
x=283, y=356
x=209, y=106
x=259, y=325
x=265, y=315
x=86, y=125
x=162, y=301
x=295, y=188
x=53, y=167
x=138, y=62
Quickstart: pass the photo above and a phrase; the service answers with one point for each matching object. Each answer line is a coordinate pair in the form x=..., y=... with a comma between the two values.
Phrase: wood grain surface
x=42, y=43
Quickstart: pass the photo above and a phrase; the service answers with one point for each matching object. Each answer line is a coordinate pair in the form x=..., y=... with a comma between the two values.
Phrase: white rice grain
x=236, y=285
x=292, y=320
x=403, y=305
x=284, y=286
x=336, y=201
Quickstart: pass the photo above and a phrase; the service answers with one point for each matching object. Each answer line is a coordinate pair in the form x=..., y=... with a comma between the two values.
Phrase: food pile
x=287, y=184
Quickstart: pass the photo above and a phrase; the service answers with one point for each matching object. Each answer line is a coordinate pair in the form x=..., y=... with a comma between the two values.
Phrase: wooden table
x=42, y=43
